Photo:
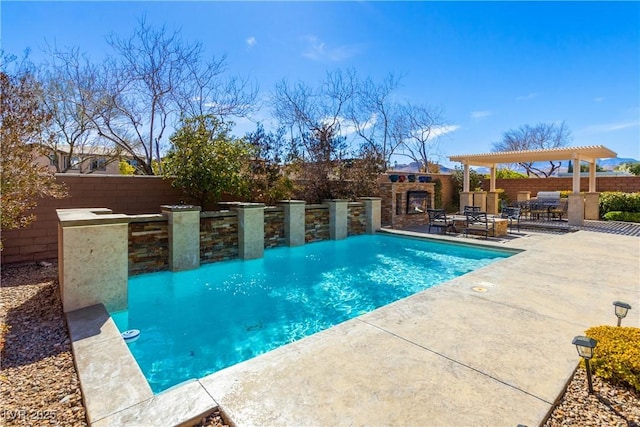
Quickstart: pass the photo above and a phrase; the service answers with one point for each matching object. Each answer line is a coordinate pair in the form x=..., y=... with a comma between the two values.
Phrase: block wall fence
x=145, y=194
x=625, y=184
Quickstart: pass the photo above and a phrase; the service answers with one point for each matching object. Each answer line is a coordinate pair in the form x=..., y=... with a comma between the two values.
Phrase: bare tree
x=419, y=128
x=304, y=109
x=376, y=117
x=153, y=79
x=206, y=92
x=538, y=137
x=314, y=118
x=70, y=83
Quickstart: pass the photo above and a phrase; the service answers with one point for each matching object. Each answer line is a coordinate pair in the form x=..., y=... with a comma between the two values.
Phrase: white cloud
x=527, y=97
x=443, y=130
x=480, y=114
x=610, y=127
x=318, y=50
x=251, y=41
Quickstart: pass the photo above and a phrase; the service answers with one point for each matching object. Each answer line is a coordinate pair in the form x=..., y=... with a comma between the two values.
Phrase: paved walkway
x=450, y=355
x=492, y=347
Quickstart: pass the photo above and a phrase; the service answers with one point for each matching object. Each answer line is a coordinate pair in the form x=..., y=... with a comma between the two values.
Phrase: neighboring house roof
x=92, y=150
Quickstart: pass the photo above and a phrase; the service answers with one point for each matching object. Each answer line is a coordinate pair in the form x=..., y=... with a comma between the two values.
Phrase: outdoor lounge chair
x=511, y=214
x=438, y=218
x=479, y=222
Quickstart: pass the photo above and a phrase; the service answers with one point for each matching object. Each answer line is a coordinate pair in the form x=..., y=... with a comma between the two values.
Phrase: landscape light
x=621, y=310
x=585, y=346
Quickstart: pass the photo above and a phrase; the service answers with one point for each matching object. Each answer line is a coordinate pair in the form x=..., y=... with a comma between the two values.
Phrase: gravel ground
x=39, y=384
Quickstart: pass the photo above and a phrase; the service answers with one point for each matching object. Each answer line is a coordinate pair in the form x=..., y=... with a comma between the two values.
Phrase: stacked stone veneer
x=316, y=223
x=394, y=203
x=218, y=236
x=149, y=241
x=148, y=247
x=357, y=220
x=273, y=227
x=99, y=250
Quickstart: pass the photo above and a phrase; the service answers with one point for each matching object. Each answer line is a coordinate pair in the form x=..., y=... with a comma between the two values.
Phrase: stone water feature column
x=184, y=236
x=250, y=230
x=294, y=221
x=93, y=258
x=338, y=216
x=373, y=213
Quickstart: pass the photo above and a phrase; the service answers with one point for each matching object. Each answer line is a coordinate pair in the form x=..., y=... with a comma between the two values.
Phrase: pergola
x=588, y=154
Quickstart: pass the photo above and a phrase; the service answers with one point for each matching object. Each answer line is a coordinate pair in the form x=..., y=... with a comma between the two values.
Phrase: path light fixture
x=585, y=346
x=621, y=310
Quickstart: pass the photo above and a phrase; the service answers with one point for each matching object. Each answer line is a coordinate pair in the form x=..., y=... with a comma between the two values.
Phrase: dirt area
x=40, y=386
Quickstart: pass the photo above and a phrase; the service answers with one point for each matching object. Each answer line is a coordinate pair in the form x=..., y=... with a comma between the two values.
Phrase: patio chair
x=511, y=214
x=471, y=209
x=438, y=218
x=557, y=212
x=479, y=221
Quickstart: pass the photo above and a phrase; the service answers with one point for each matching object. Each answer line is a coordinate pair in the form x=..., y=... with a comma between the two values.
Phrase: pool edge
x=114, y=389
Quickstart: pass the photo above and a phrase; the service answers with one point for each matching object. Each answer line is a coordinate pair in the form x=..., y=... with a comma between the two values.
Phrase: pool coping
x=99, y=349
x=114, y=389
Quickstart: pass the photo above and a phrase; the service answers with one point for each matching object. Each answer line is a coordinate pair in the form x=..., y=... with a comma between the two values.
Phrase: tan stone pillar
x=250, y=230
x=592, y=206
x=184, y=236
x=373, y=213
x=575, y=213
x=523, y=196
x=93, y=259
x=294, y=221
x=493, y=204
x=480, y=200
x=466, y=199
x=338, y=216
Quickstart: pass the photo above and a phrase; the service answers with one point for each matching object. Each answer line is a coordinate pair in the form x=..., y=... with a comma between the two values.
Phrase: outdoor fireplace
x=418, y=202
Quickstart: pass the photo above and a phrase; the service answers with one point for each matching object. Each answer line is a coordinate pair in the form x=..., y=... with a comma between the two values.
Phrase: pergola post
x=575, y=210
x=492, y=178
x=576, y=173
x=465, y=178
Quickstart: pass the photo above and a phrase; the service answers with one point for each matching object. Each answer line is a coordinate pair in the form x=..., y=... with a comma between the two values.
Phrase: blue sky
x=492, y=66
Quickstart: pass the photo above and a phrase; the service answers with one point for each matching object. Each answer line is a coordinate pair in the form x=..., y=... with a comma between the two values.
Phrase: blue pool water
x=197, y=322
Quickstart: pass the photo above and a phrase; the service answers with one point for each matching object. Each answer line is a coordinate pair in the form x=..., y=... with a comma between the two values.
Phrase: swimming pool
x=197, y=322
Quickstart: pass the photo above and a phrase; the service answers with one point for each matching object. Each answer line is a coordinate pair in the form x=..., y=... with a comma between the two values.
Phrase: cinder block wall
x=122, y=194
x=626, y=184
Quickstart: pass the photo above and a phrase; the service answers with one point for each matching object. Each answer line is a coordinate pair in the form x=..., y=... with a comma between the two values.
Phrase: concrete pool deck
x=451, y=355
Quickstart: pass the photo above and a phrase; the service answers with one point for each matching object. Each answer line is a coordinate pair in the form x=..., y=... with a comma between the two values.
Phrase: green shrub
x=509, y=174
x=617, y=355
x=622, y=216
x=619, y=201
x=565, y=193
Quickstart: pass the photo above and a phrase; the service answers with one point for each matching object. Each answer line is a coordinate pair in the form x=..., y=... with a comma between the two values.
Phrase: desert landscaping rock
x=39, y=384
